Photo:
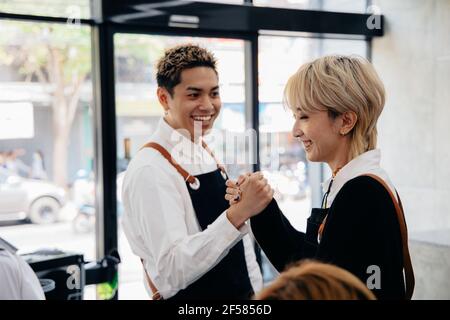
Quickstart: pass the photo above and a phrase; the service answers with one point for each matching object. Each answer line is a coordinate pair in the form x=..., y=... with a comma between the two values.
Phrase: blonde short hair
x=312, y=280
x=339, y=84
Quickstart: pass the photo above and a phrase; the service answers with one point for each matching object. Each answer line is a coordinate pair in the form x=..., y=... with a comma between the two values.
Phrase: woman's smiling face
x=318, y=133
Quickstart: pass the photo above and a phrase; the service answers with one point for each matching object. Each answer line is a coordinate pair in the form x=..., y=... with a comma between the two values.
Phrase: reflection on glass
x=71, y=9
x=46, y=136
x=138, y=112
x=223, y=1
x=356, y=6
x=291, y=4
x=285, y=165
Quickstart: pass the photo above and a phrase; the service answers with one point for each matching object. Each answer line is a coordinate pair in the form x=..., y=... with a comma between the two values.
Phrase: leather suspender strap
x=187, y=177
x=156, y=295
x=205, y=146
x=409, y=272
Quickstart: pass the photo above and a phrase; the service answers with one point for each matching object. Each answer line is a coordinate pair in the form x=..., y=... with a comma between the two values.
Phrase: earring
x=343, y=133
x=166, y=112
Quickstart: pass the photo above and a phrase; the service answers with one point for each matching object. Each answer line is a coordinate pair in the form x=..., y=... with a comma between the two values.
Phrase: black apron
x=315, y=225
x=229, y=278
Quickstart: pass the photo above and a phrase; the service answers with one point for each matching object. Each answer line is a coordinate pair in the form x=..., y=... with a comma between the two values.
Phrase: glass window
x=291, y=4
x=223, y=1
x=356, y=6
x=46, y=137
x=72, y=9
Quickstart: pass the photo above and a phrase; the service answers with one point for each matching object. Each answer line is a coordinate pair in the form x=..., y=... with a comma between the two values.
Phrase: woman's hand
x=249, y=196
x=233, y=194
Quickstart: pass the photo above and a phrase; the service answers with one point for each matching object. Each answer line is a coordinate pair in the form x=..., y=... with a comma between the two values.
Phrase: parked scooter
x=84, y=199
x=84, y=221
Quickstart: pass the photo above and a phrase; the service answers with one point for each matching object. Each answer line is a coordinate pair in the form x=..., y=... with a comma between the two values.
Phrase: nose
x=206, y=104
x=296, y=129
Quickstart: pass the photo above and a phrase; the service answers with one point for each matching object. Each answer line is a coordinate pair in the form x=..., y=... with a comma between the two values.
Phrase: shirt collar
x=5, y=245
x=365, y=163
x=179, y=145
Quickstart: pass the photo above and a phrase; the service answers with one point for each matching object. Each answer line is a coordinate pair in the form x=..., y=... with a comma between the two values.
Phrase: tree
x=58, y=56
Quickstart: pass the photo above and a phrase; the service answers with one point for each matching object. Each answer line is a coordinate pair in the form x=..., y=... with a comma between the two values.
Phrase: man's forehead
x=198, y=75
x=199, y=84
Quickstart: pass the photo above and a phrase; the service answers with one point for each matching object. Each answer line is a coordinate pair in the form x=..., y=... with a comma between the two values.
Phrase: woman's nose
x=296, y=130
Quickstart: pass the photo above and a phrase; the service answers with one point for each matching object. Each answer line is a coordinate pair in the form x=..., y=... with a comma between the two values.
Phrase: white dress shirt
x=159, y=220
x=368, y=162
x=17, y=280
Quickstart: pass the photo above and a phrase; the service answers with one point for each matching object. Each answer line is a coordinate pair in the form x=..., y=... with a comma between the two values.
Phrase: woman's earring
x=342, y=133
x=166, y=112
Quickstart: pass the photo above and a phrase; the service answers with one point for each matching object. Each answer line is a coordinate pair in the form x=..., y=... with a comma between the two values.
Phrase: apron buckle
x=224, y=174
x=195, y=185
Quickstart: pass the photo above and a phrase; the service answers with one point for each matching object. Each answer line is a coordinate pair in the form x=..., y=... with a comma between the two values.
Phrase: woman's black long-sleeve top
x=361, y=231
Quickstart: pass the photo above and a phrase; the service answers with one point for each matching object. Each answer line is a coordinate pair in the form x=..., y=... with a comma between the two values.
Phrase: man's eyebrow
x=198, y=89
x=193, y=89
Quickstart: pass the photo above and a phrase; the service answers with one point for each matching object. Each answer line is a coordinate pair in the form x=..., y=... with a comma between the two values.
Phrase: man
x=175, y=216
x=17, y=280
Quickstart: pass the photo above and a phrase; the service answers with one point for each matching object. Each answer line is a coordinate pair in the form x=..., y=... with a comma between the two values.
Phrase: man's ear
x=349, y=120
x=163, y=97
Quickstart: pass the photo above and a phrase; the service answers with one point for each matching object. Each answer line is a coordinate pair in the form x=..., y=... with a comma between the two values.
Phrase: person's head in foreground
x=188, y=88
x=336, y=101
x=312, y=280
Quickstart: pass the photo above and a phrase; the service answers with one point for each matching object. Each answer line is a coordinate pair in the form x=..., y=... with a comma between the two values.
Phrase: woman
x=313, y=280
x=336, y=102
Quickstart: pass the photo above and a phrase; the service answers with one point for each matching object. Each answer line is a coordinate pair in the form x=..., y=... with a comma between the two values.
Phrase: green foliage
x=61, y=49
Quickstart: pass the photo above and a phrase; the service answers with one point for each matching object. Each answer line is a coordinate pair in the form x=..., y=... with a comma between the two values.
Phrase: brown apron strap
x=205, y=146
x=156, y=295
x=409, y=272
x=187, y=177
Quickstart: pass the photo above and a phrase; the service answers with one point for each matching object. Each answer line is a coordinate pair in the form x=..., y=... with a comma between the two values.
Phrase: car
x=39, y=201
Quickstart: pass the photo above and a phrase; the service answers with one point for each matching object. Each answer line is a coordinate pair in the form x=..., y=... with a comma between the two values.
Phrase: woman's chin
x=312, y=158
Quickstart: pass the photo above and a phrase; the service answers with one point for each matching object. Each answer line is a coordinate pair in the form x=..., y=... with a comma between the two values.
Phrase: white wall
x=413, y=59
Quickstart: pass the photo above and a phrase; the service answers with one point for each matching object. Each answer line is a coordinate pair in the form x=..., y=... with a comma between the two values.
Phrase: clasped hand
x=251, y=193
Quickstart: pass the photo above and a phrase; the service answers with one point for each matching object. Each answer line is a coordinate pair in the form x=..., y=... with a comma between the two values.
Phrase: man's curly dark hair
x=179, y=58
